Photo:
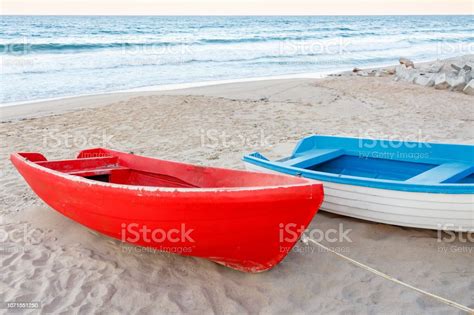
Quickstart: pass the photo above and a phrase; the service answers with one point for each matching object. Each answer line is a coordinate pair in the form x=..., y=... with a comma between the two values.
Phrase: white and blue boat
x=413, y=184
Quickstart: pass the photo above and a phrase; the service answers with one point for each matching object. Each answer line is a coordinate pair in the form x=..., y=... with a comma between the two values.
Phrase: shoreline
x=178, y=86
x=53, y=106
x=197, y=84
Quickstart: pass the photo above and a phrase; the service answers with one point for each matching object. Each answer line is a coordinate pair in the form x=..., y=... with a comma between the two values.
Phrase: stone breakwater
x=454, y=75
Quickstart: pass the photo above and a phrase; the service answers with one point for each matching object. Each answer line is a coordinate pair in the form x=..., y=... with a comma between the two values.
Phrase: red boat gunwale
x=236, y=216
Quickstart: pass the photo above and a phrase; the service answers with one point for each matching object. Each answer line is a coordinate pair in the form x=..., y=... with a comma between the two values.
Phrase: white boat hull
x=451, y=212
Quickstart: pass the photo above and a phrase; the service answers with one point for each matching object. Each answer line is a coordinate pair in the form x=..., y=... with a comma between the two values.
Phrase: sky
x=236, y=7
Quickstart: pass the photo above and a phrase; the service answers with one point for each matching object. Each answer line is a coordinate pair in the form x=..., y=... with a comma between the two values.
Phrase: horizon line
x=242, y=15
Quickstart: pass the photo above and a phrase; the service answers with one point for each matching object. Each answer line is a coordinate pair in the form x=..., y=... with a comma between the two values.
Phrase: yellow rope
x=383, y=275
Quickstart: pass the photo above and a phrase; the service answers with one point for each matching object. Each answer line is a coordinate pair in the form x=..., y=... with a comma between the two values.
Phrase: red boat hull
x=246, y=221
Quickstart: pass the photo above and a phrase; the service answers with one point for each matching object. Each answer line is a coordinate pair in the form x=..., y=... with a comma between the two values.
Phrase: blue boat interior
x=410, y=163
x=371, y=168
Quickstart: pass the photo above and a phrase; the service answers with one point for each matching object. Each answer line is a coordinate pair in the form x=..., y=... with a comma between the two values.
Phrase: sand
x=68, y=268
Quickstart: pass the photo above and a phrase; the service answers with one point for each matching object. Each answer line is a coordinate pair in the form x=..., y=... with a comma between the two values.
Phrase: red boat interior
x=129, y=169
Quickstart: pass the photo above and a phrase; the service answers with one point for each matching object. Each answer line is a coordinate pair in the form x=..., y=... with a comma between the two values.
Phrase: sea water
x=46, y=57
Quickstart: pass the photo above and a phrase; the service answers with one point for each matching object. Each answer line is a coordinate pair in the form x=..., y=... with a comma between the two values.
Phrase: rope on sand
x=461, y=307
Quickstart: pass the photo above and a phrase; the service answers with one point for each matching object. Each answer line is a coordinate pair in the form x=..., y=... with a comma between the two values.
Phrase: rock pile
x=373, y=73
x=438, y=75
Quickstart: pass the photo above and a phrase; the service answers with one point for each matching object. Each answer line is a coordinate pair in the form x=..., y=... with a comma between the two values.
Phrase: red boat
x=244, y=220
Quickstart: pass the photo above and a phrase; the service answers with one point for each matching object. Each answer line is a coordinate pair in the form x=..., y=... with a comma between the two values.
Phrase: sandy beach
x=68, y=268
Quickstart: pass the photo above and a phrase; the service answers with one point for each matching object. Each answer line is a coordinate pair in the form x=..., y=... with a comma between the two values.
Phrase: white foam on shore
x=180, y=86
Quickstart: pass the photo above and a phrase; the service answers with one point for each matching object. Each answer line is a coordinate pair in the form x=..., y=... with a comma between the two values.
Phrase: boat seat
x=84, y=166
x=97, y=171
x=313, y=157
x=447, y=172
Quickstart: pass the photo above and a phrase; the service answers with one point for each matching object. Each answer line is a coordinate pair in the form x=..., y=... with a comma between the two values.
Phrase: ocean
x=45, y=57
